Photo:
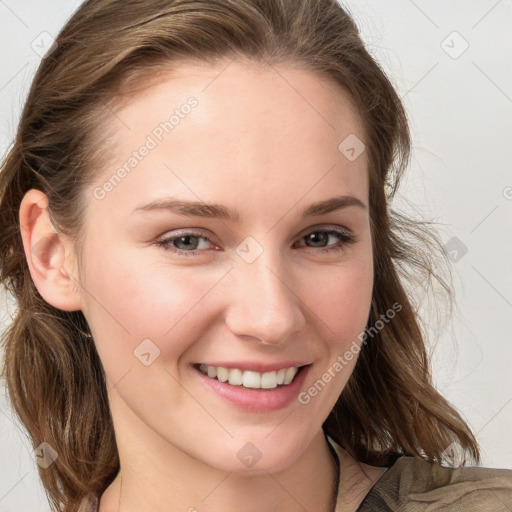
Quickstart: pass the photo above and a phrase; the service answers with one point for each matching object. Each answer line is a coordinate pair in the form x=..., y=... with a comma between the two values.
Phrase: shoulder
x=422, y=486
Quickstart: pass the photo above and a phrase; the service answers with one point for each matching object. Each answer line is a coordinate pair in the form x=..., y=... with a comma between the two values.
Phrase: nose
x=264, y=301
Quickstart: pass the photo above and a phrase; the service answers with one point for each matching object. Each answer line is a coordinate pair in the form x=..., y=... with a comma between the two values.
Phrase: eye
x=321, y=236
x=189, y=243
x=187, y=239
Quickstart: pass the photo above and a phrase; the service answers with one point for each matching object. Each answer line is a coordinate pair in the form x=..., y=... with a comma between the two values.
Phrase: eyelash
x=345, y=237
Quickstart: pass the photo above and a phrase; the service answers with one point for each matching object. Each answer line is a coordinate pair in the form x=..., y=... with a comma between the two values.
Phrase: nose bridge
x=264, y=305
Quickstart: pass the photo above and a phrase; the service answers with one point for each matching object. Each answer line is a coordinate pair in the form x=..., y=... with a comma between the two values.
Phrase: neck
x=156, y=475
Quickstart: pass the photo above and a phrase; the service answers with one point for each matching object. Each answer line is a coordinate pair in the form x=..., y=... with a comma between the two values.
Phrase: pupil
x=188, y=237
x=318, y=237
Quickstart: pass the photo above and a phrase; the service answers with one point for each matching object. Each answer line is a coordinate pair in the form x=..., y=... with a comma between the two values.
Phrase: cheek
x=342, y=311
x=344, y=307
x=130, y=303
x=341, y=300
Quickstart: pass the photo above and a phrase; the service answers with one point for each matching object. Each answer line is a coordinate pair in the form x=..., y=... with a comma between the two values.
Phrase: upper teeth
x=250, y=379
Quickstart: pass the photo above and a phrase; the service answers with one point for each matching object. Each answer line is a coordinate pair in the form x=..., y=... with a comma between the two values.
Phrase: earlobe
x=49, y=254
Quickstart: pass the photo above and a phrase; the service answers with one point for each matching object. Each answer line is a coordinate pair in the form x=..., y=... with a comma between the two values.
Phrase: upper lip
x=255, y=366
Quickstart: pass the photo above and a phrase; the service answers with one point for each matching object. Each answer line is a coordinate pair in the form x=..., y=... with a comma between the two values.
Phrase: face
x=257, y=285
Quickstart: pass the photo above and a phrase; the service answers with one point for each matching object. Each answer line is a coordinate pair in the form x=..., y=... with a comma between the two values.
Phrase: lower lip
x=257, y=400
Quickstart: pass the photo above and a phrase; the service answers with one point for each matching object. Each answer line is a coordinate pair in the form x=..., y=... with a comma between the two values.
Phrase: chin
x=257, y=454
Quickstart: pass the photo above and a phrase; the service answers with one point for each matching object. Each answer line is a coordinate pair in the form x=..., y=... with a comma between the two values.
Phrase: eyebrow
x=219, y=211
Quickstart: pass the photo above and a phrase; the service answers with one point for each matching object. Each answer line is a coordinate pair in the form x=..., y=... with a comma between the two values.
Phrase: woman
x=196, y=224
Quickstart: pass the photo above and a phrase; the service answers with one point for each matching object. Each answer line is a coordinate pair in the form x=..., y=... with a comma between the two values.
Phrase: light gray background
x=460, y=105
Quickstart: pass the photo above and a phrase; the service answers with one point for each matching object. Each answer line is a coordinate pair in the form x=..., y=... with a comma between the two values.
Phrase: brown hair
x=54, y=376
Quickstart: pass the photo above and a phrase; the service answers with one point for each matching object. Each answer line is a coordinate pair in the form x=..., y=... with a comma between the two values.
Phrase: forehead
x=234, y=128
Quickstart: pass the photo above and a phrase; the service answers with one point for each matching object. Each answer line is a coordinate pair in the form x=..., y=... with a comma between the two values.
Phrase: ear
x=50, y=256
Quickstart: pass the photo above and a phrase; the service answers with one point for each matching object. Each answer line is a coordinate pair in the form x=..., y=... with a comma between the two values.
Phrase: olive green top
x=412, y=484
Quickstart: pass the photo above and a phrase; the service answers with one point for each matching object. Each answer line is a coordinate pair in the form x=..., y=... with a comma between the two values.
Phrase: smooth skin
x=262, y=140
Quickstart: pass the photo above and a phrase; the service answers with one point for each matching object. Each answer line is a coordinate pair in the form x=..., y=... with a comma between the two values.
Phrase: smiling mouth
x=250, y=379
